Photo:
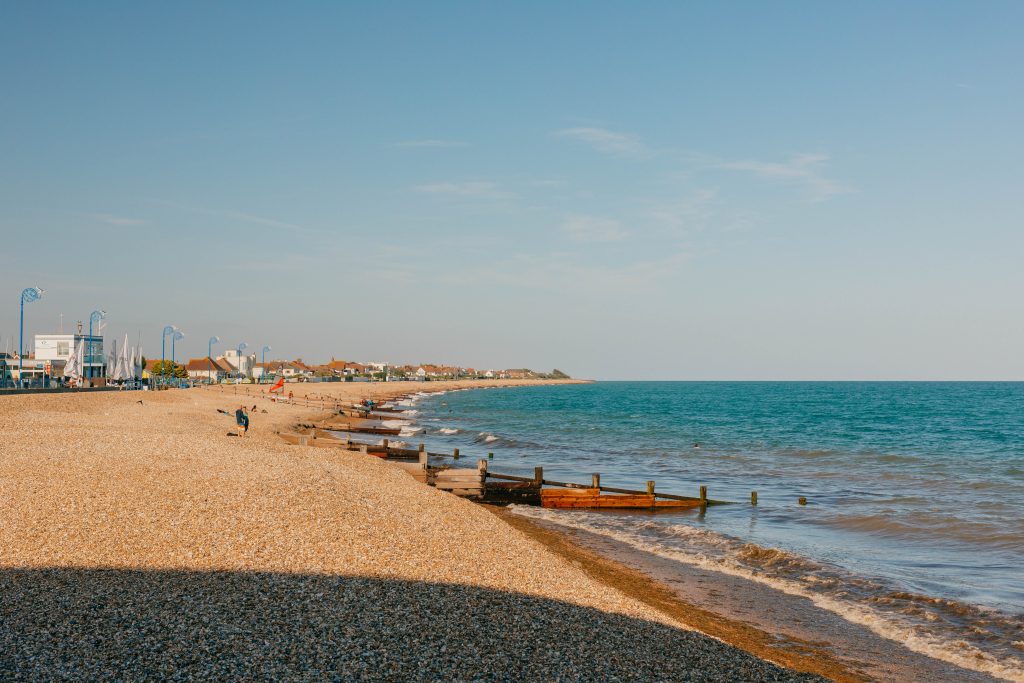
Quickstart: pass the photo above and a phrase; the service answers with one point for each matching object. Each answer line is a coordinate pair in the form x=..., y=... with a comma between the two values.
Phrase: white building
x=239, y=365
x=55, y=349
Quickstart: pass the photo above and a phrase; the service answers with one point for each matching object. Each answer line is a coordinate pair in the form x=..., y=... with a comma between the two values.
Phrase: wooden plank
x=467, y=493
x=592, y=498
x=677, y=503
x=610, y=489
x=459, y=473
x=460, y=485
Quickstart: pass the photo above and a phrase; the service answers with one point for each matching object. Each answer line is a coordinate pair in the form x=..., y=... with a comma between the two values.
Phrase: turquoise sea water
x=915, y=517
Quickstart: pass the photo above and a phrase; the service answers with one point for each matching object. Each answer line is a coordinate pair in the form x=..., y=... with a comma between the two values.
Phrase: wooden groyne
x=481, y=484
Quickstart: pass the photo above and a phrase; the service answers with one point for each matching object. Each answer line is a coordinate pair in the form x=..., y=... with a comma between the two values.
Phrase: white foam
x=447, y=430
x=956, y=652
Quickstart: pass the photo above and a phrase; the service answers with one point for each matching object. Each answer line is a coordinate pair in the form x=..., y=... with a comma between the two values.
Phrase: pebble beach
x=138, y=541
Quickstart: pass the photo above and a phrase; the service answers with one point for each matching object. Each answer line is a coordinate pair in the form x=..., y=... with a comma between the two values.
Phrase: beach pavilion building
x=53, y=351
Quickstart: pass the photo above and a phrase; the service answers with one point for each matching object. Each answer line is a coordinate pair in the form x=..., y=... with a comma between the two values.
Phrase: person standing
x=242, y=420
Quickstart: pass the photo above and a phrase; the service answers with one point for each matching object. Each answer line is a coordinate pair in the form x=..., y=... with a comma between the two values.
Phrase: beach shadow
x=76, y=624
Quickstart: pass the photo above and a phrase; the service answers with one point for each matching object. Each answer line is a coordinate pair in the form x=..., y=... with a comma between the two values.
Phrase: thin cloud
x=469, y=189
x=692, y=212
x=803, y=169
x=259, y=220
x=111, y=219
x=607, y=141
x=582, y=228
x=243, y=217
x=567, y=273
x=440, y=144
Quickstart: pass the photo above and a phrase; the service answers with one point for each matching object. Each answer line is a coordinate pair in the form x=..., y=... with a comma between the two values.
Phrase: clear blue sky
x=795, y=190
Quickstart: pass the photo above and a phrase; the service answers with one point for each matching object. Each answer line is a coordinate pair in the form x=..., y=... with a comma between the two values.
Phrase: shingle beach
x=139, y=542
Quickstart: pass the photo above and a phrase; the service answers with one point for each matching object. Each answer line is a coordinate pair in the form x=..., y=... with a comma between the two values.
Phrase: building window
x=63, y=349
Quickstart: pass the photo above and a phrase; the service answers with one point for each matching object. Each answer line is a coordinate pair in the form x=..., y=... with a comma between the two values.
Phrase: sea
x=913, y=525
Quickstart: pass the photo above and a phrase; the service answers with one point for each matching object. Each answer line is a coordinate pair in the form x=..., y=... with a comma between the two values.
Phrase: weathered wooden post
x=704, y=494
x=753, y=497
x=538, y=476
x=364, y=450
x=385, y=446
x=595, y=481
x=423, y=457
x=650, y=488
x=802, y=501
x=303, y=440
x=455, y=454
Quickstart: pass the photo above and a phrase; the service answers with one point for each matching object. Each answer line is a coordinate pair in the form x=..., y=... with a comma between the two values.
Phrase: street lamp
x=209, y=355
x=169, y=330
x=264, y=361
x=28, y=295
x=178, y=334
x=94, y=317
x=241, y=346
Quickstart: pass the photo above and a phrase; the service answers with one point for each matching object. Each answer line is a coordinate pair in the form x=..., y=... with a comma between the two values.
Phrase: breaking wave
x=968, y=636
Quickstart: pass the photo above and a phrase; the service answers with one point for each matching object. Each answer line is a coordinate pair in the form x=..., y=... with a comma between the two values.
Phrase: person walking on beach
x=242, y=420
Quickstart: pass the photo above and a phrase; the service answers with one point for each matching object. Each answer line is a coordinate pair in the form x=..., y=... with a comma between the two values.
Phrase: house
x=286, y=368
x=208, y=369
x=355, y=369
x=301, y=368
x=347, y=368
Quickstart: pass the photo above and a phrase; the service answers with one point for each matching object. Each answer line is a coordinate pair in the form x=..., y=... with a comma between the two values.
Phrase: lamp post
x=28, y=295
x=178, y=334
x=264, y=362
x=169, y=330
x=209, y=355
x=241, y=346
x=94, y=317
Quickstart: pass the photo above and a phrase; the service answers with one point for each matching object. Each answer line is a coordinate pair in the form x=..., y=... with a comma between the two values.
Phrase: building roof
x=204, y=365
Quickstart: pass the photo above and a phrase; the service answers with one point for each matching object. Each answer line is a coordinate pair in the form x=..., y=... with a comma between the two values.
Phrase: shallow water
x=915, y=519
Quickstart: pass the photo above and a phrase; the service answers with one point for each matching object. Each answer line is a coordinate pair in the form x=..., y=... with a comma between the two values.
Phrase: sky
x=689, y=191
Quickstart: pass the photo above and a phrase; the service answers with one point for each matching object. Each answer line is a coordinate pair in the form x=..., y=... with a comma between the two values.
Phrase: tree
x=165, y=368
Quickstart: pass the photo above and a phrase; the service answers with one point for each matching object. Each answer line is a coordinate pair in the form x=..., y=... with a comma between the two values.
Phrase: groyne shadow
x=96, y=624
